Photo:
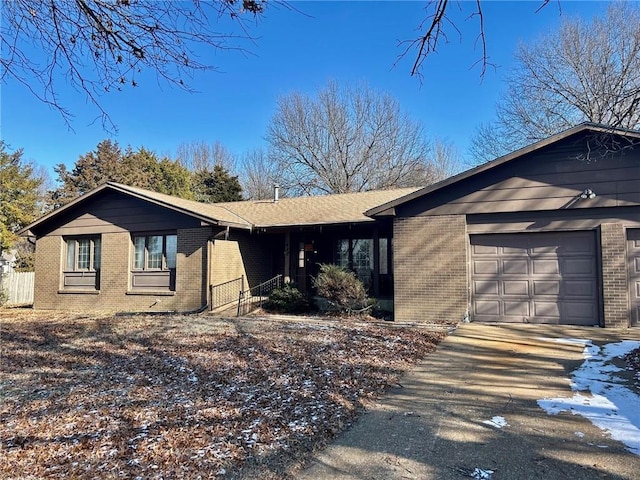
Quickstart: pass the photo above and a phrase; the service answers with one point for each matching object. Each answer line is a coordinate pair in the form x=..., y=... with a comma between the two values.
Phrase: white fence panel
x=19, y=287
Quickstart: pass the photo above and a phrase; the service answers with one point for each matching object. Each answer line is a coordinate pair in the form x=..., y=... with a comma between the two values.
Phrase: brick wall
x=430, y=269
x=115, y=293
x=614, y=275
x=48, y=266
x=257, y=253
x=226, y=262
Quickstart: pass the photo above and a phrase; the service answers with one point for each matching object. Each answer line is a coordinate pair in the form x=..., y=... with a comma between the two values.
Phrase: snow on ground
x=497, y=422
x=601, y=396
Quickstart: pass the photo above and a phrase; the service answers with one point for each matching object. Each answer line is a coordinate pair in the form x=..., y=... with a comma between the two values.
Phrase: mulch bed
x=185, y=397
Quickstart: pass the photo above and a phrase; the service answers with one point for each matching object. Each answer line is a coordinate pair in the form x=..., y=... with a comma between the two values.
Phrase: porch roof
x=316, y=210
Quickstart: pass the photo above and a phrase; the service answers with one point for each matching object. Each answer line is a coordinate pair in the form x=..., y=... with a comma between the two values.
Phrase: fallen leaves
x=185, y=396
x=633, y=362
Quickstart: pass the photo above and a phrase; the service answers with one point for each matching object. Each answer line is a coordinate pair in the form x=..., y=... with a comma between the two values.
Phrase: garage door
x=535, y=278
x=633, y=250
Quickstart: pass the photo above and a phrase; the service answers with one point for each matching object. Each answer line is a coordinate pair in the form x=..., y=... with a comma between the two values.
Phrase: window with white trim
x=154, y=262
x=82, y=264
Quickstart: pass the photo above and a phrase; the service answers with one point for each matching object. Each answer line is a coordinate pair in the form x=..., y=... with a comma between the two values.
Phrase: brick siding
x=226, y=262
x=615, y=289
x=115, y=293
x=257, y=253
x=430, y=269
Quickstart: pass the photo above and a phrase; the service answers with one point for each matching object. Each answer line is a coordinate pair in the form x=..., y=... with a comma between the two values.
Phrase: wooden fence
x=18, y=286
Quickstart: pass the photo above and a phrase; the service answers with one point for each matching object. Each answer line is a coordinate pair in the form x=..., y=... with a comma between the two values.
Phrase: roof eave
x=116, y=187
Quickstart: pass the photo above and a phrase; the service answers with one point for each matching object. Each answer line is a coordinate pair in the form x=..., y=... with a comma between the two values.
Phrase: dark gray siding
x=549, y=179
x=547, y=221
x=113, y=212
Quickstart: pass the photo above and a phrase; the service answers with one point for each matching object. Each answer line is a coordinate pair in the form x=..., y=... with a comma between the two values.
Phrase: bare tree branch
x=347, y=139
x=586, y=71
x=104, y=45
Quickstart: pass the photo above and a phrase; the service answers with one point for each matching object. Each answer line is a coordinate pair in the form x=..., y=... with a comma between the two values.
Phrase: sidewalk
x=437, y=423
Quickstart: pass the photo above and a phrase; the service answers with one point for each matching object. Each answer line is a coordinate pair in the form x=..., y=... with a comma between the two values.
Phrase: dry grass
x=185, y=396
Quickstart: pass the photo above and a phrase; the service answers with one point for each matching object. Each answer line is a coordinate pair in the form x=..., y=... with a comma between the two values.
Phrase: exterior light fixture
x=587, y=193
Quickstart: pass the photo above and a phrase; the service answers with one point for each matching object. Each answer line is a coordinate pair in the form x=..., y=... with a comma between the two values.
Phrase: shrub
x=287, y=299
x=341, y=289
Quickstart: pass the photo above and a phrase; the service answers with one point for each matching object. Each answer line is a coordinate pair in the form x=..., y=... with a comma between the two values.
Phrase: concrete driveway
x=431, y=426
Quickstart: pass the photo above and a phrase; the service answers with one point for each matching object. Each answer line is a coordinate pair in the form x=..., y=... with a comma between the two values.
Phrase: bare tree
x=99, y=46
x=586, y=71
x=200, y=156
x=443, y=17
x=258, y=175
x=446, y=159
x=347, y=139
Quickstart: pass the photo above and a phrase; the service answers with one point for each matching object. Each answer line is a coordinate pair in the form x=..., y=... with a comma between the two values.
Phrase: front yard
x=175, y=397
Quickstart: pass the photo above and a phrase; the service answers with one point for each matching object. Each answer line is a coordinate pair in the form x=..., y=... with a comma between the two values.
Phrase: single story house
x=547, y=234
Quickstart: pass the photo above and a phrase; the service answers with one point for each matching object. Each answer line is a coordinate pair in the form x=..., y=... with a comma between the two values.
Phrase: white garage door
x=633, y=250
x=535, y=278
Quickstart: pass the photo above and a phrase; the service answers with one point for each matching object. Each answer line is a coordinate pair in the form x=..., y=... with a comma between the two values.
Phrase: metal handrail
x=226, y=292
x=255, y=297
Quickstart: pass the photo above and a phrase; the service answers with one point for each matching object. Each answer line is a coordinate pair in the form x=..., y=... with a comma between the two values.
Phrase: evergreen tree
x=137, y=168
x=19, y=195
x=216, y=185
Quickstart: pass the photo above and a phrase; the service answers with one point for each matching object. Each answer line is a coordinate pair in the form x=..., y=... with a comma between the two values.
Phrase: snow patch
x=481, y=474
x=497, y=422
x=607, y=403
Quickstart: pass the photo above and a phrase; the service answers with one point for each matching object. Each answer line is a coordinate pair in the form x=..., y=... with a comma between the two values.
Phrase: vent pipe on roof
x=276, y=192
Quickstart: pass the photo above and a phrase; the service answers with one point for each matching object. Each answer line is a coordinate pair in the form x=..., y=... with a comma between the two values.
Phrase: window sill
x=154, y=293
x=79, y=291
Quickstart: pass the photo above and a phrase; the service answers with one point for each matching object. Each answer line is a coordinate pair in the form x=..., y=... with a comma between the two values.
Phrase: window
x=82, y=267
x=154, y=262
x=357, y=255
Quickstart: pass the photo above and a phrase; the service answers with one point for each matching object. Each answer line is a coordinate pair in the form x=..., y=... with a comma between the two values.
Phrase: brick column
x=614, y=275
x=48, y=268
x=430, y=269
x=191, y=268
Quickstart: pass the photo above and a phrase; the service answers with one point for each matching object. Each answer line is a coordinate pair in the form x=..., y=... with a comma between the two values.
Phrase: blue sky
x=296, y=51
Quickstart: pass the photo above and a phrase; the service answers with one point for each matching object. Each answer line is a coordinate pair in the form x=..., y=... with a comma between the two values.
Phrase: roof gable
x=489, y=168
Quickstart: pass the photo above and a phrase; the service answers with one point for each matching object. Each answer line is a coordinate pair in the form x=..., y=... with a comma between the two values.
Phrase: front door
x=307, y=267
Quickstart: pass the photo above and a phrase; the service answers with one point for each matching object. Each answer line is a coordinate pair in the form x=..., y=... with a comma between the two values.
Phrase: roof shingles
x=316, y=210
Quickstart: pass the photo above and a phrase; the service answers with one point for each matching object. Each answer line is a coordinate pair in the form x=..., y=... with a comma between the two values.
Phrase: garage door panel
x=536, y=278
x=519, y=308
x=513, y=250
x=542, y=287
x=517, y=287
x=578, y=245
x=486, y=287
x=485, y=267
x=579, y=310
x=544, y=250
x=488, y=307
x=576, y=288
x=545, y=267
x=515, y=267
x=484, y=249
x=578, y=266
x=546, y=309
